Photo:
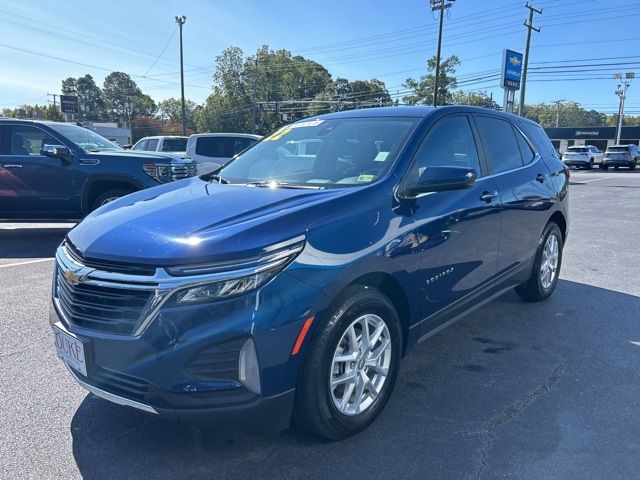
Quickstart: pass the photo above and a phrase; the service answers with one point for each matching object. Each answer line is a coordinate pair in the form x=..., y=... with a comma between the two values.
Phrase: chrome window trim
x=536, y=159
x=163, y=285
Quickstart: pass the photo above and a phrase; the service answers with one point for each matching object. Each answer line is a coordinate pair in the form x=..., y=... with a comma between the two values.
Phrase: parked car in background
x=62, y=171
x=585, y=156
x=296, y=278
x=162, y=143
x=618, y=156
x=213, y=150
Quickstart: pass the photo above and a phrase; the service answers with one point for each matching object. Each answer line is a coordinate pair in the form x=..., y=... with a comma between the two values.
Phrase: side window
x=526, y=152
x=500, y=142
x=140, y=145
x=449, y=143
x=242, y=143
x=215, y=147
x=28, y=140
x=152, y=144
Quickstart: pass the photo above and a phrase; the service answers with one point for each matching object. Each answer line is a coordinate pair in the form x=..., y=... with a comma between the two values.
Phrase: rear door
x=152, y=145
x=458, y=230
x=33, y=185
x=526, y=192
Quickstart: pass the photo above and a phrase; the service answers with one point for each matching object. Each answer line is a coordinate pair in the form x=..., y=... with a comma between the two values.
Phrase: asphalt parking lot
x=515, y=390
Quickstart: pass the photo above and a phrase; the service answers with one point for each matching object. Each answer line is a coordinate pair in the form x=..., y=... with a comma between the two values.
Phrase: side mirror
x=438, y=179
x=55, y=151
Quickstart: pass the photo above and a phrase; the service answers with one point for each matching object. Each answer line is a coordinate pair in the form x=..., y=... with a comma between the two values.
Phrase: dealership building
x=601, y=137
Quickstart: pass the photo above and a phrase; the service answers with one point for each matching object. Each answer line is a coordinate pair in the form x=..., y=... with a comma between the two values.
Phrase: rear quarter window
x=538, y=137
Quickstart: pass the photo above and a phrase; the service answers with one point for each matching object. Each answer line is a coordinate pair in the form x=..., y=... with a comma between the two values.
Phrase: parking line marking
x=7, y=265
x=594, y=179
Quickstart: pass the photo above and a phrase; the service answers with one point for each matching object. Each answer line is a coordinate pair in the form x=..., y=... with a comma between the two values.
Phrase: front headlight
x=222, y=280
x=161, y=172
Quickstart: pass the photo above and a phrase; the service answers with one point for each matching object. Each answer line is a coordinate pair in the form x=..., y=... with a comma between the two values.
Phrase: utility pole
x=254, y=100
x=180, y=21
x=54, y=95
x=558, y=102
x=529, y=25
x=440, y=6
x=621, y=92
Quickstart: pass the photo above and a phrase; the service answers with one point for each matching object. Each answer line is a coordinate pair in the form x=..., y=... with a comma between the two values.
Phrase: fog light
x=249, y=372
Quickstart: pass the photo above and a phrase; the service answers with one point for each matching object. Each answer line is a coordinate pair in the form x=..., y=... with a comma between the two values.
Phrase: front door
x=458, y=230
x=33, y=185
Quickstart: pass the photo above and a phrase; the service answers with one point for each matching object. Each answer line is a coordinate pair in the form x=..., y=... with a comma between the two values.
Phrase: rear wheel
x=603, y=167
x=108, y=197
x=590, y=167
x=632, y=167
x=351, y=365
x=546, y=266
x=616, y=167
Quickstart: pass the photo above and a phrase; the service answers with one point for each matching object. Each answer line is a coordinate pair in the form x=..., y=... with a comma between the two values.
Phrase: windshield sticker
x=381, y=157
x=365, y=178
x=278, y=134
x=310, y=123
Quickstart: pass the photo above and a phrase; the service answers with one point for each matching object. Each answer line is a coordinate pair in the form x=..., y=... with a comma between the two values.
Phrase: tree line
x=261, y=91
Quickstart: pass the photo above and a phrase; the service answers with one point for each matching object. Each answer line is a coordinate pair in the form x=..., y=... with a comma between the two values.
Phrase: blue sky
x=356, y=39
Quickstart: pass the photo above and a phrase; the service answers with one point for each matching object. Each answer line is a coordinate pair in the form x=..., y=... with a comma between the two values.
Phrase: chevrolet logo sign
x=515, y=61
x=75, y=277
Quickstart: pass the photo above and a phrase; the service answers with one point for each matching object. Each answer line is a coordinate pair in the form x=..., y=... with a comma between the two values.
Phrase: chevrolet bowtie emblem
x=515, y=61
x=74, y=277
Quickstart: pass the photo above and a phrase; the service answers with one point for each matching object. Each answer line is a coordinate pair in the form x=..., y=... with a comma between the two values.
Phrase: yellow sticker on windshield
x=365, y=178
x=278, y=134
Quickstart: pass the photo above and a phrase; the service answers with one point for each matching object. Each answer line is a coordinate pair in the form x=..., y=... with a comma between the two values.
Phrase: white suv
x=162, y=143
x=582, y=156
x=213, y=150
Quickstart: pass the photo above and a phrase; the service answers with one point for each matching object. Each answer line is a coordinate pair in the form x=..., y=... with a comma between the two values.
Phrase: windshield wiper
x=277, y=184
x=218, y=179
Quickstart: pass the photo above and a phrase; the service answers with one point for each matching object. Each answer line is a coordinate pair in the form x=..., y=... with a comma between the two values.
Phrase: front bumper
x=185, y=365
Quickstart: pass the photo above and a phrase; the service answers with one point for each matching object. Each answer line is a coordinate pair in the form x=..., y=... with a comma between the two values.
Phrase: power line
x=164, y=49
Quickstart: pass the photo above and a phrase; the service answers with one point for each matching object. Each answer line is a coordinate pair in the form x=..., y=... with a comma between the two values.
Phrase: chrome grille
x=183, y=171
x=105, y=309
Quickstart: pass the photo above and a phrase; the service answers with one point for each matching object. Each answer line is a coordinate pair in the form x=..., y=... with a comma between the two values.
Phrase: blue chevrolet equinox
x=290, y=283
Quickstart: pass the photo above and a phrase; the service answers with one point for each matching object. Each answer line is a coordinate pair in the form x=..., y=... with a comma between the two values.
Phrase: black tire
x=315, y=409
x=616, y=167
x=108, y=196
x=603, y=167
x=632, y=167
x=533, y=290
x=590, y=166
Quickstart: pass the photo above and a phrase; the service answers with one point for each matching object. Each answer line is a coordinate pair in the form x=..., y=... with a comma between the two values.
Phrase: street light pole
x=558, y=102
x=180, y=21
x=622, y=93
x=440, y=6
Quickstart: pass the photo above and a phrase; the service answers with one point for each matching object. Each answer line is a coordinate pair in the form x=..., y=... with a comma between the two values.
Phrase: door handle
x=93, y=161
x=13, y=165
x=488, y=196
x=541, y=178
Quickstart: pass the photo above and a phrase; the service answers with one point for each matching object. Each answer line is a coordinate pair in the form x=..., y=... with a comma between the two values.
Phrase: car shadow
x=30, y=242
x=501, y=391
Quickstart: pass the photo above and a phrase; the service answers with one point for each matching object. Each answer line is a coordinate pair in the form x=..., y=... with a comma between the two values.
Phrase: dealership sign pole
x=510, y=77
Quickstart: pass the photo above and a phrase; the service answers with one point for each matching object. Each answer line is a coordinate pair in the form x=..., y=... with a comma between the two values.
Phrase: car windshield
x=322, y=153
x=577, y=150
x=174, y=145
x=618, y=149
x=84, y=138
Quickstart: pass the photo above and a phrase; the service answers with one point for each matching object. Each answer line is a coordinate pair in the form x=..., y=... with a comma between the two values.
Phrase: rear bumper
x=576, y=163
x=618, y=163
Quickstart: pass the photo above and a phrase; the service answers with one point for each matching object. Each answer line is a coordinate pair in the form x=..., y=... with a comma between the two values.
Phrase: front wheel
x=108, y=197
x=603, y=167
x=351, y=365
x=590, y=166
x=546, y=266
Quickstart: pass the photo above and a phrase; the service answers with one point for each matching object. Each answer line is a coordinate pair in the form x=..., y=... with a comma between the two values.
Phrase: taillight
x=567, y=171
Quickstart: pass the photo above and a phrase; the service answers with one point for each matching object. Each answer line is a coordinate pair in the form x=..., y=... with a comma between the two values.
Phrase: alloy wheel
x=360, y=364
x=549, y=265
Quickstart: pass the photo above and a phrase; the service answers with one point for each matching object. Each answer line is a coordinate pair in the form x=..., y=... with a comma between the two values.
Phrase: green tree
x=476, y=99
x=571, y=115
x=123, y=98
x=422, y=90
x=171, y=110
x=90, y=102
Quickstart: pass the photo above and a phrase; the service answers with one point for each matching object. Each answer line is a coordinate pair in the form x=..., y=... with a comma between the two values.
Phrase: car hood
x=193, y=221
x=154, y=157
